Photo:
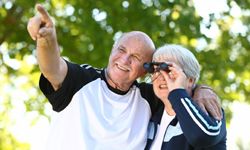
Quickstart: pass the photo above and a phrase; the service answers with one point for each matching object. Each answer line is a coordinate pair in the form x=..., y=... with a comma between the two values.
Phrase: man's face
x=127, y=58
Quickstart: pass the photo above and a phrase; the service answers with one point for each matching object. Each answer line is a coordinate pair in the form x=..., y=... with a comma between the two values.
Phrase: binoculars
x=152, y=67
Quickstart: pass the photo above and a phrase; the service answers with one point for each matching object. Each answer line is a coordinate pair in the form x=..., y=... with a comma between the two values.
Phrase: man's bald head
x=139, y=36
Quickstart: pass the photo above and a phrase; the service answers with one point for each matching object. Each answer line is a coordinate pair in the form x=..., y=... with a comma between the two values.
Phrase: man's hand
x=40, y=25
x=41, y=29
x=208, y=101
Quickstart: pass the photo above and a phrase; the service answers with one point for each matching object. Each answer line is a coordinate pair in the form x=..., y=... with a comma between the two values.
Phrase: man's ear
x=143, y=73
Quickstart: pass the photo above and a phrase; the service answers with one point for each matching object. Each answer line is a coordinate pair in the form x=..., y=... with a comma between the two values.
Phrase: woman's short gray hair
x=182, y=57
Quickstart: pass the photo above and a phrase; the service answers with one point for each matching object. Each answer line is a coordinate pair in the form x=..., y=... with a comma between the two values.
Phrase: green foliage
x=8, y=142
x=86, y=30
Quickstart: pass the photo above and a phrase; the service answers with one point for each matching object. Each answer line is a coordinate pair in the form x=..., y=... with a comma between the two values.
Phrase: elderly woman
x=181, y=124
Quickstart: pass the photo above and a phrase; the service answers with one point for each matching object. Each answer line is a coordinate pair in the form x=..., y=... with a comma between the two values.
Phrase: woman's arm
x=200, y=129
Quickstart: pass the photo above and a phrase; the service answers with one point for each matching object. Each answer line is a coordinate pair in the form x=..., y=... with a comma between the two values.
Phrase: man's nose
x=126, y=59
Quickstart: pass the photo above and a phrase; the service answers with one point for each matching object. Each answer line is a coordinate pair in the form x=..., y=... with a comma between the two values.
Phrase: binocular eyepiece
x=152, y=67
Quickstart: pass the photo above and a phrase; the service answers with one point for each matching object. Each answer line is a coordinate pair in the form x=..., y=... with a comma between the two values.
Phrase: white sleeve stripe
x=87, y=66
x=215, y=128
x=202, y=119
x=84, y=65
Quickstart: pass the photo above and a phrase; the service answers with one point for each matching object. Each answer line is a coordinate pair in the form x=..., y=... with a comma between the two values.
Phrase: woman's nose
x=158, y=76
x=161, y=77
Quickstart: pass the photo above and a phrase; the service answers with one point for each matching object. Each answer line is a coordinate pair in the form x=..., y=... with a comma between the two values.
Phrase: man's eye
x=137, y=58
x=121, y=50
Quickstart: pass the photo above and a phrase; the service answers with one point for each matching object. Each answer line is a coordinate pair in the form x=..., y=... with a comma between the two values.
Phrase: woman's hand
x=176, y=78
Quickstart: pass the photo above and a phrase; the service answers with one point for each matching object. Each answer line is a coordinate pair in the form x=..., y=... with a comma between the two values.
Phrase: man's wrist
x=203, y=86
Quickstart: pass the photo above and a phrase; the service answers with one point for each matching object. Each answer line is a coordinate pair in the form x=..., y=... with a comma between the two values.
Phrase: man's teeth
x=122, y=68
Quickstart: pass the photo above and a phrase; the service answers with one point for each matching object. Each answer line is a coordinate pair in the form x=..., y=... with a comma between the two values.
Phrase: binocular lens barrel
x=152, y=67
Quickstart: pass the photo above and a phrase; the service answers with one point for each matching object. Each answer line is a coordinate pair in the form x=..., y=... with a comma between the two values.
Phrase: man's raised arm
x=41, y=29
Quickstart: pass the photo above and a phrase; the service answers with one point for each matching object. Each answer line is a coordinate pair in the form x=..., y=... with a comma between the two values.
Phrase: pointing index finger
x=44, y=14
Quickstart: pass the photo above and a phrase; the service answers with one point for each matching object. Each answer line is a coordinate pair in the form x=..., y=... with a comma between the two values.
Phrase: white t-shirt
x=165, y=121
x=91, y=116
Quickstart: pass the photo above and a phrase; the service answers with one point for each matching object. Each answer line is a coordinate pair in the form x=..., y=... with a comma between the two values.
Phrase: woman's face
x=160, y=86
x=159, y=83
x=164, y=82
